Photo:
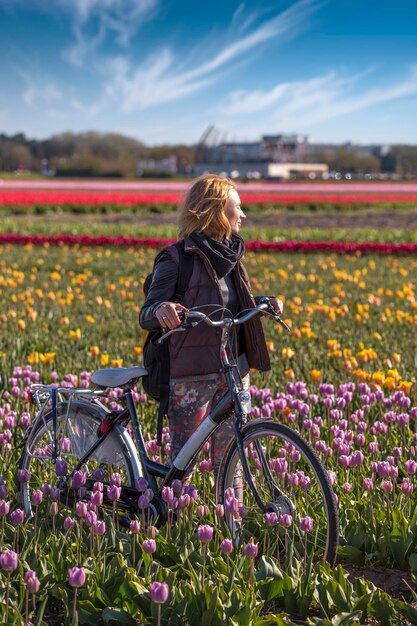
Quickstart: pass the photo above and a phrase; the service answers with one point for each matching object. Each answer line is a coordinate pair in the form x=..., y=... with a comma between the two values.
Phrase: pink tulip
x=251, y=550
x=135, y=526
x=99, y=527
x=307, y=524
x=31, y=581
x=226, y=546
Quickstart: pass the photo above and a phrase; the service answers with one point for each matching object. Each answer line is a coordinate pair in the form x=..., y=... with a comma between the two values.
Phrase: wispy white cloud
x=40, y=93
x=93, y=20
x=297, y=104
x=160, y=78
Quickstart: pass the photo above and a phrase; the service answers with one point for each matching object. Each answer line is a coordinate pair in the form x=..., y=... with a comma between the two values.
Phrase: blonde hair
x=202, y=209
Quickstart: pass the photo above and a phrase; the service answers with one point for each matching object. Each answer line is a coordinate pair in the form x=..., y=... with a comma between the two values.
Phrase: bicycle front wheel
x=290, y=511
x=77, y=429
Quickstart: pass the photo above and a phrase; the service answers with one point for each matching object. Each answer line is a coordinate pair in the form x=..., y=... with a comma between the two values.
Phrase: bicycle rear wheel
x=78, y=425
x=292, y=514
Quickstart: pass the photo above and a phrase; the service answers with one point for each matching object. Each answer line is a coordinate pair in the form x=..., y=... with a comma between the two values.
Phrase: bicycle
x=282, y=481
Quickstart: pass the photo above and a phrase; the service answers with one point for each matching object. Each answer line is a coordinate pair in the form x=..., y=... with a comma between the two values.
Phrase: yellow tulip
x=287, y=353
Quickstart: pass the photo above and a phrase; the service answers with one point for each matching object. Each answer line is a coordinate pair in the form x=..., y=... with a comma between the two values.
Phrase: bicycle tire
x=310, y=499
x=78, y=423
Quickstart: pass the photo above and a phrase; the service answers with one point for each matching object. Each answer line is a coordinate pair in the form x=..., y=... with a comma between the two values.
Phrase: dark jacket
x=197, y=351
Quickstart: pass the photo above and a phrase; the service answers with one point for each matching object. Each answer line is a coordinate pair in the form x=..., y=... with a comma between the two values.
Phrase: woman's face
x=233, y=211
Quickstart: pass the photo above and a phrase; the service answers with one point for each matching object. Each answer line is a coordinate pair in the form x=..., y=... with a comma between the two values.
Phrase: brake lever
x=272, y=313
x=186, y=324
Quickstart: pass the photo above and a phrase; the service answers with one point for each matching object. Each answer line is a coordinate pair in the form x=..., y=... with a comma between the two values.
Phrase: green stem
x=74, y=605
x=7, y=596
x=203, y=550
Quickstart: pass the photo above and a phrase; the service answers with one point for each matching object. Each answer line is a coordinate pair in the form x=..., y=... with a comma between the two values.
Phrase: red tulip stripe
x=340, y=247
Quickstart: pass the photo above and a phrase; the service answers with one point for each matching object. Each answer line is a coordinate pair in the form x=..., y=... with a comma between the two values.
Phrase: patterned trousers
x=190, y=402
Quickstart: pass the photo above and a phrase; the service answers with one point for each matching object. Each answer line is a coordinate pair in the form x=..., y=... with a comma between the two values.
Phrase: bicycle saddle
x=118, y=376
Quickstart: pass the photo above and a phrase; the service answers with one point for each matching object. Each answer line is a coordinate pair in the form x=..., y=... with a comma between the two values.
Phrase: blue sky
x=164, y=70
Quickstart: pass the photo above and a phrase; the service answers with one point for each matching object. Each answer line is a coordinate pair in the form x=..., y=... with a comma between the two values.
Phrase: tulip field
x=345, y=378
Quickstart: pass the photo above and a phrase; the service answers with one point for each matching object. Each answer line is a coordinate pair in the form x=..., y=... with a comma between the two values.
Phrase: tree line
x=112, y=154
x=86, y=154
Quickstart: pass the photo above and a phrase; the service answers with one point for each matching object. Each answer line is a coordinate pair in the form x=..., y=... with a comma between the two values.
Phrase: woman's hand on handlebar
x=168, y=314
x=277, y=304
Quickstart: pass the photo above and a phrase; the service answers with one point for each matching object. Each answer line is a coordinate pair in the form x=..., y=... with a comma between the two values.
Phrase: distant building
x=168, y=166
x=274, y=156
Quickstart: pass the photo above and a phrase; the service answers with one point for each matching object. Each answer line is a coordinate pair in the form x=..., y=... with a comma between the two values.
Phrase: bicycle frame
x=235, y=398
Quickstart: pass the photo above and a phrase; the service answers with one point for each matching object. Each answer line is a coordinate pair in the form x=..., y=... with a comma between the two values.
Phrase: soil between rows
x=367, y=219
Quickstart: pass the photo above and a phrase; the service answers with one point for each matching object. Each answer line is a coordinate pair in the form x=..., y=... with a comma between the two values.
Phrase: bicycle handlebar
x=192, y=318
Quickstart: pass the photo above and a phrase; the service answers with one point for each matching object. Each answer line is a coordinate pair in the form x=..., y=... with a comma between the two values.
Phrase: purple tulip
x=141, y=484
x=90, y=518
x=76, y=576
x=116, y=479
x=134, y=526
x=251, y=550
x=143, y=502
x=231, y=505
x=78, y=479
x=410, y=466
x=191, y=490
x=99, y=527
x=61, y=468
x=219, y=511
x=177, y=486
x=184, y=501
x=68, y=523
x=387, y=486
x=307, y=524
x=205, y=466
x=36, y=497
x=24, y=421
x=368, y=484
x=32, y=581
x=8, y=560
x=55, y=493
x=96, y=498
x=81, y=509
x=98, y=475
x=271, y=519
x=17, y=517
x=23, y=475
x=202, y=510
x=205, y=533
x=114, y=492
x=226, y=546
x=167, y=494
x=151, y=532
x=285, y=520
x=159, y=592
x=53, y=509
x=149, y=546
x=4, y=507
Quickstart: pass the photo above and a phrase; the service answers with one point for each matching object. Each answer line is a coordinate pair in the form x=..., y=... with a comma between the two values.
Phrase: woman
x=210, y=218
